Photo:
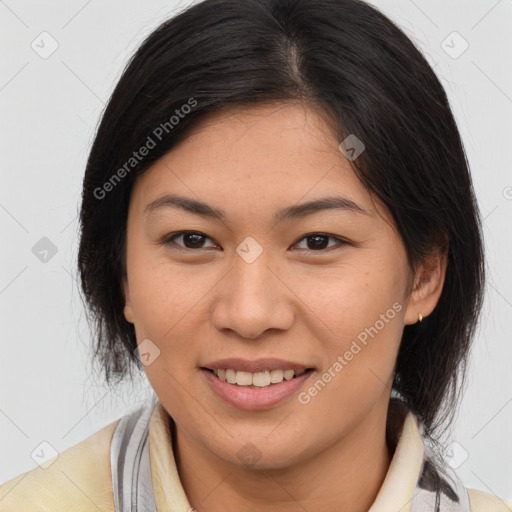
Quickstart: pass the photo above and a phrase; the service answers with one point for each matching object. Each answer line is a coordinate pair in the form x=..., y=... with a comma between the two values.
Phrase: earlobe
x=128, y=312
x=429, y=281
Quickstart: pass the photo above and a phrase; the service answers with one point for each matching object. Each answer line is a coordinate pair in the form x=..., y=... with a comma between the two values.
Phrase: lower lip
x=254, y=399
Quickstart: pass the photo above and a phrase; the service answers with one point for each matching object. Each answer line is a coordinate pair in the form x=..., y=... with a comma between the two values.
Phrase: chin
x=252, y=454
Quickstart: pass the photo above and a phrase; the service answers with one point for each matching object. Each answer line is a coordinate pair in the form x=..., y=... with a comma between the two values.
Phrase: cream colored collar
x=406, y=487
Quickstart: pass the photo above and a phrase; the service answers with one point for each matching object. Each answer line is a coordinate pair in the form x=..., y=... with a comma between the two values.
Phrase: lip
x=252, y=398
x=258, y=365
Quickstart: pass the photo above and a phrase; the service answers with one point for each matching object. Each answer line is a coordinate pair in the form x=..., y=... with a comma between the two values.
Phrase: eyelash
x=168, y=240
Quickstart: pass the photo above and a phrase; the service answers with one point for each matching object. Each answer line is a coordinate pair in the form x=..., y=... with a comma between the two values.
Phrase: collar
x=145, y=476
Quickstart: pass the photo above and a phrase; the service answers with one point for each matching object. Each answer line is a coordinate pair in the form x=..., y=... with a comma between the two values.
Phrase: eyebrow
x=296, y=211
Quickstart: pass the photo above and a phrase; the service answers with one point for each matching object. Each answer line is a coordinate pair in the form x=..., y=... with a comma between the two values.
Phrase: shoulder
x=77, y=479
x=484, y=502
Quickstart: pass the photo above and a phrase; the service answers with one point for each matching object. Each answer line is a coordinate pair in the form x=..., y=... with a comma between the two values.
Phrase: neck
x=346, y=476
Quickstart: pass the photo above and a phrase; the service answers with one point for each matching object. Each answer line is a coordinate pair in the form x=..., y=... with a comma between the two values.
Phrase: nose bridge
x=251, y=299
x=253, y=279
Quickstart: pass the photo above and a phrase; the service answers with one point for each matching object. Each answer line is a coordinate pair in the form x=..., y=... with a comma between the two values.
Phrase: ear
x=428, y=284
x=128, y=311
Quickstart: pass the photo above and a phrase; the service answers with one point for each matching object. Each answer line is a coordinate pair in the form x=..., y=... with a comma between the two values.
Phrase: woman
x=279, y=227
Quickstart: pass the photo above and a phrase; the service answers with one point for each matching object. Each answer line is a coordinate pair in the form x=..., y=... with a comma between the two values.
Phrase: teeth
x=258, y=379
x=244, y=378
x=230, y=376
x=276, y=376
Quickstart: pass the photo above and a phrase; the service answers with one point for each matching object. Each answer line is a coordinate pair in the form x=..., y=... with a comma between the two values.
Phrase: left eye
x=319, y=240
x=194, y=240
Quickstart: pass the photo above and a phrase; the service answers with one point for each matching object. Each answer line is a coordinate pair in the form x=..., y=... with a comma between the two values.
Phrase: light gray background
x=49, y=112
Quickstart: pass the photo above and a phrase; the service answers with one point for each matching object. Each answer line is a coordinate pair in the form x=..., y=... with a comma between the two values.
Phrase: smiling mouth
x=262, y=379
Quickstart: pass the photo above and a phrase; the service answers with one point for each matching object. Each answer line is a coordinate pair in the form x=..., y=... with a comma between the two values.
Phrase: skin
x=294, y=302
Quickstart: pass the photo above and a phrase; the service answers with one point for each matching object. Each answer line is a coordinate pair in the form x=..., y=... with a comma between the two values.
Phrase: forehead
x=260, y=157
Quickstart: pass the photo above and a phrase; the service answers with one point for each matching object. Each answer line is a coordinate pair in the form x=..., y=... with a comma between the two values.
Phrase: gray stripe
x=130, y=463
x=454, y=498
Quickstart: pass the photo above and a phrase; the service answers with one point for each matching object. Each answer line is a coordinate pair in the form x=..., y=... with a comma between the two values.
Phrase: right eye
x=191, y=240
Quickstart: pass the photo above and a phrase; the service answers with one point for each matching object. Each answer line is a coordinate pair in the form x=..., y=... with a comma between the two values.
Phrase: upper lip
x=258, y=365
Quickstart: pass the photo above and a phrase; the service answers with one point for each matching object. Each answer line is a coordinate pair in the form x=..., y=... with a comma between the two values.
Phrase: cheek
x=344, y=299
x=167, y=305
x=357, y=311
x=169, y=301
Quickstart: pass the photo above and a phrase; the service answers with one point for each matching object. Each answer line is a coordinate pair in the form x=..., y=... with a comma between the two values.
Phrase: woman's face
x=320, y=288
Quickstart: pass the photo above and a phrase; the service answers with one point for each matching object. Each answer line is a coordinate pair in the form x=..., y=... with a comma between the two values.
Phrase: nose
x=252, y=299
